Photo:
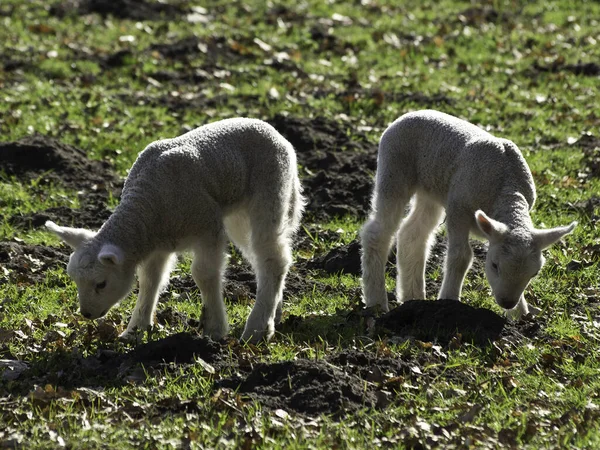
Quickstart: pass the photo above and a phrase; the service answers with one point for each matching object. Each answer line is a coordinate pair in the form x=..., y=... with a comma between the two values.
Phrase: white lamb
x=443, y=162
x=235, y=178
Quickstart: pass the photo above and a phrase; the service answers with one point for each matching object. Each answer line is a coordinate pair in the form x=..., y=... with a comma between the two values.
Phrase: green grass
x=378, y=61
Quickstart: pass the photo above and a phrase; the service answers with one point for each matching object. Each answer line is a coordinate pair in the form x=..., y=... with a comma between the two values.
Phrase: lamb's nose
x=87, y=315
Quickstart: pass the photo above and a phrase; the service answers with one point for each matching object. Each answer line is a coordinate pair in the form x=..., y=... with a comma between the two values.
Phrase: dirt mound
x=90, y=216
x=307, y=387
x=39, y=156
x=342, y=259
x=442, y=320
x=338, y=171
x=27, y=264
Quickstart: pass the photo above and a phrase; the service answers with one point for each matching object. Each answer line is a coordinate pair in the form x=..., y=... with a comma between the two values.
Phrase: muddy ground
x=337, y=180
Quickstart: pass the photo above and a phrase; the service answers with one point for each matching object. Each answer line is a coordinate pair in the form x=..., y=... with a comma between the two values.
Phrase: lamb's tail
x=297, y=204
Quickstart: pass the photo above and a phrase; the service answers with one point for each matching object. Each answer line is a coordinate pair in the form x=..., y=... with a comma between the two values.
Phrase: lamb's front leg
x=207, y=270
x=414, y=240
x=376, y=238
x=458, y=261
x=153, y=276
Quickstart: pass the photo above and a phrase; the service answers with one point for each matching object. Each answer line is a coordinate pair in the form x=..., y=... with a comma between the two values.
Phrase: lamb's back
x=222, y=161
x=441, y=153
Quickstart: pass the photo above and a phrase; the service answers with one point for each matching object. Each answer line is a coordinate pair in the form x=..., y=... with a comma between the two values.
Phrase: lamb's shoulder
x=439, y=126
x=520, y=174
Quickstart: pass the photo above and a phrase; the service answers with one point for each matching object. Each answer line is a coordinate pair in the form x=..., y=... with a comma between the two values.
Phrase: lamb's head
x=514, y=256
x=101, y=272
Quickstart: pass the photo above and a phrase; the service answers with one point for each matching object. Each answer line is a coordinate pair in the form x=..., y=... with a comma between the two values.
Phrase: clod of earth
x=180, y=348
x=28, y=264
x=441, y=320
x=110, y=367
x=342, y=259
x=38, y=155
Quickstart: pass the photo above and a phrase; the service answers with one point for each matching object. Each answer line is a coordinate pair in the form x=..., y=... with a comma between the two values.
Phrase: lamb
x=235, y=179
x=445, y=163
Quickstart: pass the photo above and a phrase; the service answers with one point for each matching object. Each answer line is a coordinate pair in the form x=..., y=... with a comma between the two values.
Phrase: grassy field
x=110, y=79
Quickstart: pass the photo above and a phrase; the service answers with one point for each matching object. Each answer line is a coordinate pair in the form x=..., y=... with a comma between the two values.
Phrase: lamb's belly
x=438, y=196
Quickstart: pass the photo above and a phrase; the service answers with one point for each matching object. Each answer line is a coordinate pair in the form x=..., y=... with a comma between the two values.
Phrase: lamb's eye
x=495, y=267
x=101, y=285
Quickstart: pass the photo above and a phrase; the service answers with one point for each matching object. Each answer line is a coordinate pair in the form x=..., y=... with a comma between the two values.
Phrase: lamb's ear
x=488, y=226
x=111, y=255
x=545, y=238
x=72, y=236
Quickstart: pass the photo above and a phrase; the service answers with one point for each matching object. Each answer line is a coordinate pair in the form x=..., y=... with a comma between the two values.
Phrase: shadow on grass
x=438, y=321
x=444, y=322
x=108, y=366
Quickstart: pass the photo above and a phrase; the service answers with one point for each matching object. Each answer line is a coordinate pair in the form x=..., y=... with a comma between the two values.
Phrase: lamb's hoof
x=377, y=309
x=215, y=331
x=514, y=315
x=131, y=336
x=215, y=334
x=256, y=336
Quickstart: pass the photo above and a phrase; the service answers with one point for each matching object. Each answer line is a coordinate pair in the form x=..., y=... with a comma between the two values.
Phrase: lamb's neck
x=512, y=209
x=126, y=229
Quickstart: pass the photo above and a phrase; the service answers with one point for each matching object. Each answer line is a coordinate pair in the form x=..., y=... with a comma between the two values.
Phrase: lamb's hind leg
x=207, y=271
x=458, y=258
x=413, y=242
x=376, y=239
x=273, y=258
x=271, y=248
x=153, y=276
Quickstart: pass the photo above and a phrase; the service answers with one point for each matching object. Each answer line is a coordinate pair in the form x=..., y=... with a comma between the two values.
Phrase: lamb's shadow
x=109, y=367
x=439, y=321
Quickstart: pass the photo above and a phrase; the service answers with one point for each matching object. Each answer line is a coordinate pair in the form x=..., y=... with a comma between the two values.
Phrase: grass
x=361, y=64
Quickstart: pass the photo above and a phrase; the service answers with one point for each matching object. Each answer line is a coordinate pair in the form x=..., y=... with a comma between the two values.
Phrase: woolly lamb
x=235, y=178
x=443, y=162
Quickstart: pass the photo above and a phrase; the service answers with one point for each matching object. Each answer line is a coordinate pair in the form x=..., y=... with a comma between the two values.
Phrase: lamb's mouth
x=88, y=315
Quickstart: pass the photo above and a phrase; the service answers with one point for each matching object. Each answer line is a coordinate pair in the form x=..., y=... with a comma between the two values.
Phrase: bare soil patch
x=48, y=161
x=28, y=264
x=338, y=171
